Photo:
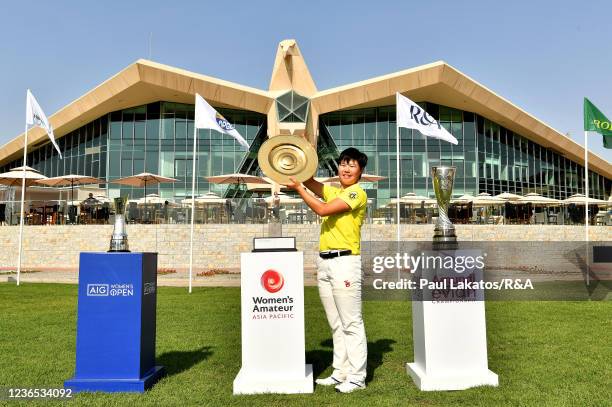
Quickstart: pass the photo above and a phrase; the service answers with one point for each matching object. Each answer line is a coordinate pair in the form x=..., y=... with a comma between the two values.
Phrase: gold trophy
x=119, y=239
x=281, y=157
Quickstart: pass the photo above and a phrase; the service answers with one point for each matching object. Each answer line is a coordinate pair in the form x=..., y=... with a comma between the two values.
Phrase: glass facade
x=158, y=138
x=489, y=158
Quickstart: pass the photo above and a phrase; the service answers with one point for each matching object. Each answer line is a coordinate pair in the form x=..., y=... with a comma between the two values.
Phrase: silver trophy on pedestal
x=444, y=232
x=119, y=239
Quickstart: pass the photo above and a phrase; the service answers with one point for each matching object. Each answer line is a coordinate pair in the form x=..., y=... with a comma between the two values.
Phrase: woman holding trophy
x=339, y=266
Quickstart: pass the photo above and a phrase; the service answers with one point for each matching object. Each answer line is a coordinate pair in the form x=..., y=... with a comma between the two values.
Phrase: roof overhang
x=145, y=82
x=141, y=83
x=442, y=84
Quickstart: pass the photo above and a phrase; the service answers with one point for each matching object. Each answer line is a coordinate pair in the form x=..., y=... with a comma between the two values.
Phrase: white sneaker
x=328, y=381
x=350, y=386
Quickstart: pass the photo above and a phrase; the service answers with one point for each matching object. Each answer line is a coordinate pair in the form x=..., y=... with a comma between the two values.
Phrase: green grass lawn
x=545, y=353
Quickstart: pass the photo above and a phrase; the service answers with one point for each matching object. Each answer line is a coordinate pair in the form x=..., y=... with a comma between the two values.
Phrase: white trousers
x=339, y=281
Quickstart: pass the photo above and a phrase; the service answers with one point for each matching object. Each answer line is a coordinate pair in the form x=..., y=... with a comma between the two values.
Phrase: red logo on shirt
x=347, y=283
x=272, y=281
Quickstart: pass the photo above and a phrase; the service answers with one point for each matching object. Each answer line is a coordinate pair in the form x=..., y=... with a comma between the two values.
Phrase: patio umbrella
x=70, y=179
x=103, y=199
x=151, y=198
x=13, y=177
x=485, y=199
x=413, y=199
x=209, y=197
x=578, y=199
x=508, y=196
x=284, y=199
x=20, y=176
x=142, y=179
x=236, y=178
x=466, y=198
x=536, y=199
x=364, y=178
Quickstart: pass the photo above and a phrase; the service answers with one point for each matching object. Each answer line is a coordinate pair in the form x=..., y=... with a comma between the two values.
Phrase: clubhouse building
x=141, y=120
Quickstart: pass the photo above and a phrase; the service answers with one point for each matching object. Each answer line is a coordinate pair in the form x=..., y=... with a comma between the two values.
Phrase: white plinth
x=272, y=314
x=450, y=335
x=457, y=382
x=251, y=383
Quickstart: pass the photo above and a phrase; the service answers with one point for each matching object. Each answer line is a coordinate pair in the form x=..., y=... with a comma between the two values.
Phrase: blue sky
x=544, y=56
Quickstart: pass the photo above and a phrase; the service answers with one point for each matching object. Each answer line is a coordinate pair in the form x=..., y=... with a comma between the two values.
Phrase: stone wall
x=219, y=246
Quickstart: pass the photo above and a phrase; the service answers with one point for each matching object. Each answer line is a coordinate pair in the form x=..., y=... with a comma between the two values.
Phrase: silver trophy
x=444, y=232
x=119, y=240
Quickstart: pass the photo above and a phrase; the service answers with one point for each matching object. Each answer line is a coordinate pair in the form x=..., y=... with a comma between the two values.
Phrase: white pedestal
x=273, y=344
x=248, y=382
x=450, y=339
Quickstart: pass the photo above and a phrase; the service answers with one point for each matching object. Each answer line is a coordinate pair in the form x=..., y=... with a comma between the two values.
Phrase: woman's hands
x=294, y=184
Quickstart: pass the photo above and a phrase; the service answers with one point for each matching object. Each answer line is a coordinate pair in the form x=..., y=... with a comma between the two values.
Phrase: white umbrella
x=152, y=199
x=484, y=199
x=209, y=194
x=205, y=199
x=578, y=199
x=20, y=176
x=508, y=196
x=236, y=178
x=463, y=199
x=13, y=177
x=284, y=199
x=536, y=199
x=413, y=200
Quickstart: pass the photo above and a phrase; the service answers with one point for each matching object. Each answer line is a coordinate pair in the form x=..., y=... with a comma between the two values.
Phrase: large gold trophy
x=281, y=157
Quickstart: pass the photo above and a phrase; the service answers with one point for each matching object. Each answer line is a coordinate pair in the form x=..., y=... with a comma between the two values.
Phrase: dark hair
x=352, y=153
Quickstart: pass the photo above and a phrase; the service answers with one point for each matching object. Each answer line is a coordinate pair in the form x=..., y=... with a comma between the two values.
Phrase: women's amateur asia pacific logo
x=272, y=281
x=224, y=124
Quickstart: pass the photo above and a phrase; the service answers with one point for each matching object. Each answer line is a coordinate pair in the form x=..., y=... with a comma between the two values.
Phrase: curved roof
x=146, y=81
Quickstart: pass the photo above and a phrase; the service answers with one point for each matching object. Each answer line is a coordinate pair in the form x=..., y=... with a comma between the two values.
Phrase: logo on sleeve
x=353, y=195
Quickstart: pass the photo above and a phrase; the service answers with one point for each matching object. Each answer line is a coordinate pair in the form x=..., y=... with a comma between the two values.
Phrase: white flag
x=412, y=116
x=206, y=117
x=35, y=117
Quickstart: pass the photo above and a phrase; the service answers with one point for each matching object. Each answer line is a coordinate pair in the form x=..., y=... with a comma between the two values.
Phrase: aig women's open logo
x=224, y=124
x=272, y=281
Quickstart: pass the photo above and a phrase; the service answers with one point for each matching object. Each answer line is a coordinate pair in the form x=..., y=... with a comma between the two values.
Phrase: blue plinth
x=115, y=344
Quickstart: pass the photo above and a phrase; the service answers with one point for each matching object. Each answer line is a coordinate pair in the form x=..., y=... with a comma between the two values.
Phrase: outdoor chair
x=133, y=213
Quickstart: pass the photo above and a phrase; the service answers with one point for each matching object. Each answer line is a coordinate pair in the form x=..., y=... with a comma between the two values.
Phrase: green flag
x=594, y=120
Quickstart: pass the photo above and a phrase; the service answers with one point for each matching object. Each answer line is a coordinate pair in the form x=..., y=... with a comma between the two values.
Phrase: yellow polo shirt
x=343, y=230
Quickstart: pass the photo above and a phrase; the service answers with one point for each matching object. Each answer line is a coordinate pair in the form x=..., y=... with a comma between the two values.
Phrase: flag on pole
x=35, y=117
x=206, y=117
x=412, y=116
x=595, y=120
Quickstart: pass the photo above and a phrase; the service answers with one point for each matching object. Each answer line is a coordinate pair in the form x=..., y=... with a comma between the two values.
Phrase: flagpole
x=25, y=149
x=586, y=202
x=193, y=178
x=397, y=178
